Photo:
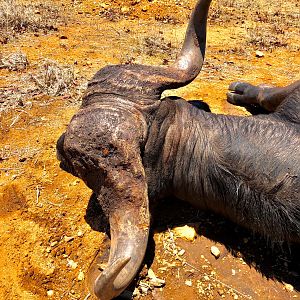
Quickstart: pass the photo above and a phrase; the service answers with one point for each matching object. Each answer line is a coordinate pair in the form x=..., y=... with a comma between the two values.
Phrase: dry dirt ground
x=50, y=226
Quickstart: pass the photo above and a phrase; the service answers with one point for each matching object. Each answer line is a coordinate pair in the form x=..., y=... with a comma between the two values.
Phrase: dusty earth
x=50, y=226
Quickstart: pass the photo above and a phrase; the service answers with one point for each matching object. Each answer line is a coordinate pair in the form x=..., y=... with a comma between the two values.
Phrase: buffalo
x=132, y=148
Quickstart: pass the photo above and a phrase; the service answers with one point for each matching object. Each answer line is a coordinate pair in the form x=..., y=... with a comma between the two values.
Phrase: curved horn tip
x=104, y=287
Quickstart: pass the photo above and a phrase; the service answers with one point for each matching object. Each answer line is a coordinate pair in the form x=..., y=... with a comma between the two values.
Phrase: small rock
x=220, y=292
x=188, y=282
x=71, y=263
x=151, y=274
x=235, y=297
x=80, y=276
x=50, y=293
x=28, y=104
x=181, y=252
x=80, y=233
x=53, y=243
x=75, y=182
x=259, y=53
x=289, y=287
x=125, y=9
x=104, y=5
x=144, y=9
x=63, y=37
x=215, y=251
x=185, y=232
x=144, y=288
x=68, y=238
x=49, y=271
x=233, y=272
x=156, y=282
x=136, y=293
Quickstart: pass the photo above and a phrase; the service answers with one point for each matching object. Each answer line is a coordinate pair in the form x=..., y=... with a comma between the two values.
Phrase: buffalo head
x=103, y=146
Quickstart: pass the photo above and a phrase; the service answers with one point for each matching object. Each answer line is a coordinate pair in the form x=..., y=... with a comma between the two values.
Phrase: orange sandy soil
x=50, y=229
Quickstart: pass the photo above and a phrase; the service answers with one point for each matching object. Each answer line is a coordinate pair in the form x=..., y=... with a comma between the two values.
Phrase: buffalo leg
x=269, y=98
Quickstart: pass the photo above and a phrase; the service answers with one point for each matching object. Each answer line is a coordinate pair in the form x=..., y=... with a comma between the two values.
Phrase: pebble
x=259, y=53
x=50, y=293
x=80, y=233
x=28, y=103
x=289, y=287
x=220, y=292
x=181, y=252
x=53, y=243
x=144, y=287
x=186, y=232
x=188, y=282
x=125, y=9
x=75, y=182
x=68, y=238
x=156, y=282
x=151, y=274
x=104, y=5
x=136, y=293
x=49, y=271
x=71, y=263
x=80, y=276
x=215, y=251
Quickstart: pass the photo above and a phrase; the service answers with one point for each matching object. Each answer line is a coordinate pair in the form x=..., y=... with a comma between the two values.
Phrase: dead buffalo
x=131, y=147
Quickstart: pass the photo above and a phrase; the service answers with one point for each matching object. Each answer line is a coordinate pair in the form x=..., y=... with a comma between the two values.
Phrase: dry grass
x=49, y=78
x=15, y=61
x=266, y=39
x=54, y=79
x=268, y=25
x=17, y=18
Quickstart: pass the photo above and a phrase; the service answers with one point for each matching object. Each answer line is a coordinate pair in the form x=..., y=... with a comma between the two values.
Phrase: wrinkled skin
x=131, y=148
x=245, y=168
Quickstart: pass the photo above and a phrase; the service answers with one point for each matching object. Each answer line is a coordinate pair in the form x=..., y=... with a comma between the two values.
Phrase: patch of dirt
x=50, y=229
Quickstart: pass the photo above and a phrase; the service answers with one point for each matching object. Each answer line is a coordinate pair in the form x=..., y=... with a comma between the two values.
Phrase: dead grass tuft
x=15, y=61
x=54, y=79
x=157, y=45
x=266, y=39
x=268, y=25
x=17, y=18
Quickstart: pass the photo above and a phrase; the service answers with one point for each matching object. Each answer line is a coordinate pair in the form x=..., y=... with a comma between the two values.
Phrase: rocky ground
x=50, y=226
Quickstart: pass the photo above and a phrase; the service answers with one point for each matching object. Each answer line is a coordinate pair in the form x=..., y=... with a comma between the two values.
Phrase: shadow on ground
x=274, y=261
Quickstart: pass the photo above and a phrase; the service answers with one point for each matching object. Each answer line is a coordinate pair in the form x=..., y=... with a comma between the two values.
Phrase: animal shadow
x=275, y=261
